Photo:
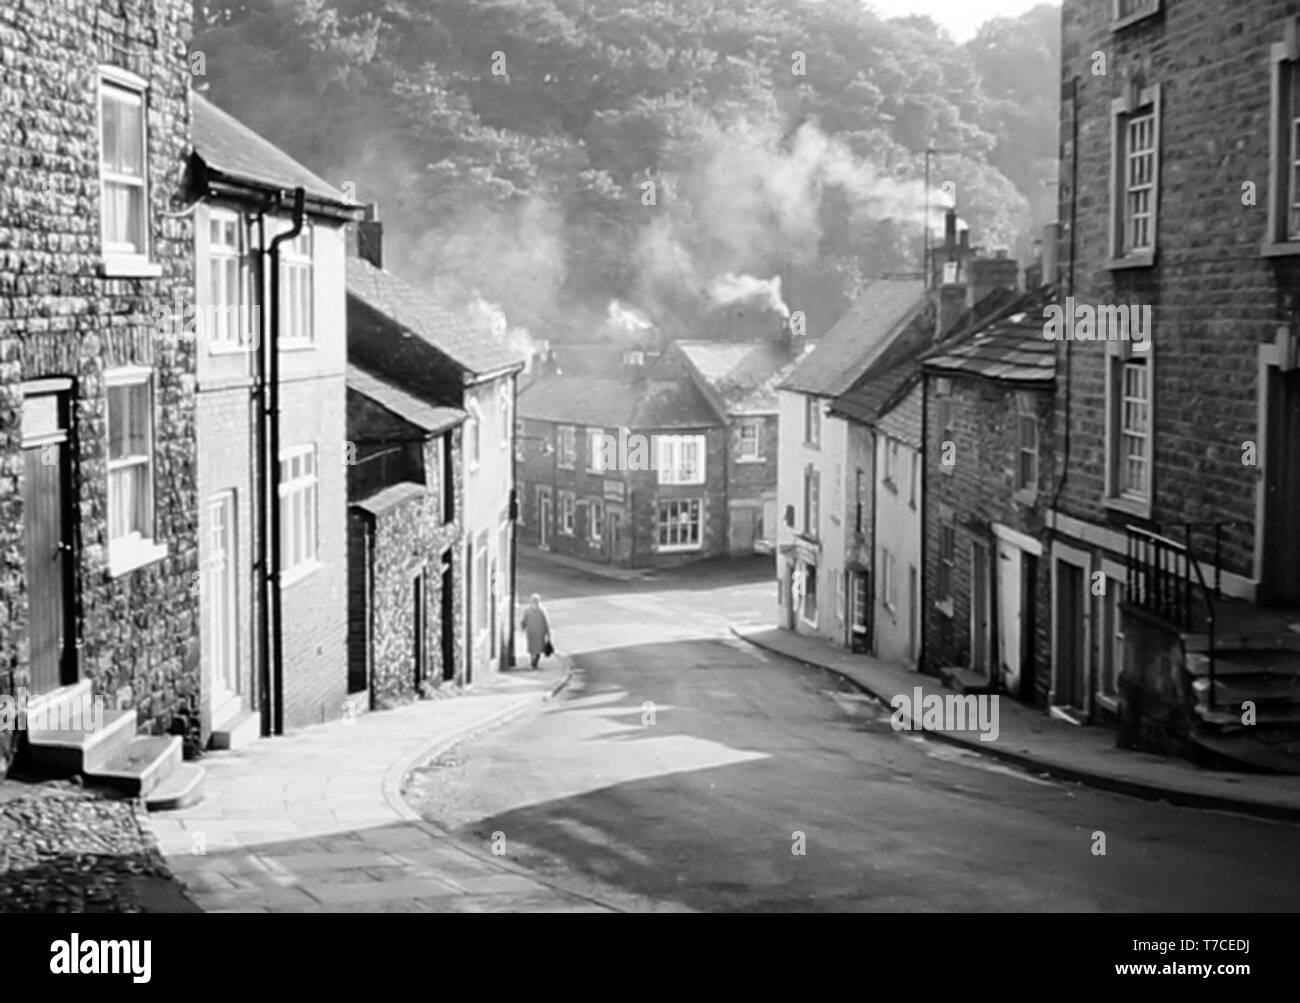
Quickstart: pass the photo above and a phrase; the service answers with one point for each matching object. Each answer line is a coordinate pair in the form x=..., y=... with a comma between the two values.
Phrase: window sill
x=127, y=556
x=751, y=459
x=1279, y=248
x=1025, y=496
x=681, y=484
x=297, y=345
x=564, y=466
x=677, y=548
x=221, y=348
x=1139, y=259
x=129, y=266
x=299, y=572
x=944, y=606
x=1130, y=506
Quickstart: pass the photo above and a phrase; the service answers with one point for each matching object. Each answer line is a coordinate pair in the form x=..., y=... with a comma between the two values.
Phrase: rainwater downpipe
x=273, y=465
x=258, y=451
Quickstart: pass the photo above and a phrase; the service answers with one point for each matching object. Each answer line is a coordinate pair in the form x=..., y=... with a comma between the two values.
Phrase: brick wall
x=979, y=491
x=60, y=317
x=1214, y=297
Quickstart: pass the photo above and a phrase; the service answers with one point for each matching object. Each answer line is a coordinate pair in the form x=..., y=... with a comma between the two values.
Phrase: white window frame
x=1120, y=19
x=221, y=318
x=812, y=423
x=298, y=290
x=694, y=508
x=1284, y=144
x=121, y=259
x=473, y=436
x=134, y=549
x=567, y=504
x=812, y=502
x=1119, y=355
x=566, y=457
x=1026, y=418
x=914, y=480
x=1129, y=181
x=505, y=402
x=946, y=530
x=596, y=520
x=595, y=454
x=672, y=454
x=299, y=494
x=888, y=580
x=750, y=441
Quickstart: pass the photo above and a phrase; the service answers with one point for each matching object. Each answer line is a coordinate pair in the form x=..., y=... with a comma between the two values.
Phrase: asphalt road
x=684, y=769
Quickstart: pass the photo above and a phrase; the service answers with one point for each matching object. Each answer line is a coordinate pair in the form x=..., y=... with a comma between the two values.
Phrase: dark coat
x=538, y=629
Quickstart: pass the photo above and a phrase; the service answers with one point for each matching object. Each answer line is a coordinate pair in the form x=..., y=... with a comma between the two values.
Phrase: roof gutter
x=216, y=183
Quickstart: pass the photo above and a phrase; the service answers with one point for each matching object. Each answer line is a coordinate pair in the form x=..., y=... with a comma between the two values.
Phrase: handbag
x=548, y=649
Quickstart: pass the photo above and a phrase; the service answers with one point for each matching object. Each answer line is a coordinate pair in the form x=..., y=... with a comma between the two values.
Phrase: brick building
x=414, y=343
x=988, y=397
x=281, y=659
x=406, y=568
x=630, y=472
x=1179, y=455
x=98, y=497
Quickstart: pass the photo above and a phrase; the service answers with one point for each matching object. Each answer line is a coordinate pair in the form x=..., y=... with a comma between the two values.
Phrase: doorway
x=981, y=624
x=544, y=518
x=1068, y=686
x=448, y=620
x=419, y=632
x=1280, y=583
x=1009, y=591
x=48, y=523
x=220, y=597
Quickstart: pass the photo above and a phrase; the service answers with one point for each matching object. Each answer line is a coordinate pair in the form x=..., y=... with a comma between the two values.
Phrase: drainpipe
x=922, y=613
x=257, y=433
x=514, y=519
x=273, y=466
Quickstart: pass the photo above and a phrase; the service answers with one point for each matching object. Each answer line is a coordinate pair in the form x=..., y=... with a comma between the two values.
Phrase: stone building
x=630, y=472
x=406, y=568
x=988, y=397
x=411, y=341
x=1180, y=489
x=98, y=493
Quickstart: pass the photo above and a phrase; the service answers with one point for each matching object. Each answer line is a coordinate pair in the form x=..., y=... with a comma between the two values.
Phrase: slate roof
x=838, y=358
x=1010, y=349
x=608, y=403
x=426, y=417
x=743, y=374
x=390, y=497
x=226, y=145
x=420, y=315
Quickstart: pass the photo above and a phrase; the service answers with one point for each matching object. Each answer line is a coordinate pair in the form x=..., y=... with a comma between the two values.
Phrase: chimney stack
x=988, y=274
x=370, y=236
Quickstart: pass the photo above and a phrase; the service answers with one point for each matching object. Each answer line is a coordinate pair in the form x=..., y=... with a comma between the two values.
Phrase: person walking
x=538, y=629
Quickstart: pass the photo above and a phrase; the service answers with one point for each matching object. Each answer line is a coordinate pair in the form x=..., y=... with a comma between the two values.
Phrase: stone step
x=79, y=751
x=1253, y=662
x=1288, y=715
x=1244, y=751
x=182, y=788
x=966, y=680
x=237, y=733
x=141, y=766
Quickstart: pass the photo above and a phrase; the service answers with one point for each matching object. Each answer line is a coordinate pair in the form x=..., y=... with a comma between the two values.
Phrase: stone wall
x=60, y=316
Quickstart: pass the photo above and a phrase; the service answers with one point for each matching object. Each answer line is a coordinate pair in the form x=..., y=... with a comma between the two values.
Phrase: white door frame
x=1082, y=560
x=220, y=594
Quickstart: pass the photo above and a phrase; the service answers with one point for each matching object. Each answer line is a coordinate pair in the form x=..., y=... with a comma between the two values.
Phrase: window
x=1125, y=12
x=124, y=189
x=474, y=436
x=812, y=421
x=296, y=289
x=751, y=440
x=888, y=579
x=1027, y=421
x=596, y=448
x=859, y=494
x=680, y=459
x=447, y=455
x=298, y=510
x=812, y=480
x=889, y=448
x=596, y=520
x=566, y=513
x=568, y=447
x=130, y=464
x=1133, y=461
x=947, y=558
x=947, y=435
x=1135, y=136
x=1284, y=146
x=915, y=479
x=679, y=524
x=859, y=599
x=229, y=318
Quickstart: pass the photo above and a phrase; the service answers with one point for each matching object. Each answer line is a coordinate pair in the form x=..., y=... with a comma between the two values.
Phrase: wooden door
x=220, y=599
x=1010, y=566
x=979, y=608
x=1069, y=686
x=47, y=524
x=1281, y=572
